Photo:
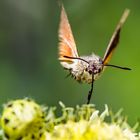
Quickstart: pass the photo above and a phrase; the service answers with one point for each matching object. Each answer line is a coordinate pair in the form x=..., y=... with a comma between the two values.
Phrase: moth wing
x=67, y=46
x=115, y=38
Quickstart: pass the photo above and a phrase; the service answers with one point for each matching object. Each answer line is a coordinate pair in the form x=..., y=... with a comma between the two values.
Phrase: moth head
x=95, y=67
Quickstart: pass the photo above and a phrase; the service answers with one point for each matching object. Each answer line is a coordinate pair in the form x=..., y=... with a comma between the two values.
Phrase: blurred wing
x=67, y=46
x=115, y=38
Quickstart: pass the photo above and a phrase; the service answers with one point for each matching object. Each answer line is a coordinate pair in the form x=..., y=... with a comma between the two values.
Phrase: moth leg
x=68, y=75
x=91, y=90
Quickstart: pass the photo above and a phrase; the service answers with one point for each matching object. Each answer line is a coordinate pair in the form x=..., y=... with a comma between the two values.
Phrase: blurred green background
x=28, y=52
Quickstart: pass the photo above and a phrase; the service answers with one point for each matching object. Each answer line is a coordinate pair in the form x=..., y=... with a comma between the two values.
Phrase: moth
x=85, y=68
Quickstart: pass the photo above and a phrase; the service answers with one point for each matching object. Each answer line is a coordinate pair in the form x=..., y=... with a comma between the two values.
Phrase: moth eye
x=86, y=69
x=99, y=70
x=90, y=72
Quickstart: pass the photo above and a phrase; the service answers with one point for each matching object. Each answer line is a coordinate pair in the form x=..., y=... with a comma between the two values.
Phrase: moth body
x=82, y=71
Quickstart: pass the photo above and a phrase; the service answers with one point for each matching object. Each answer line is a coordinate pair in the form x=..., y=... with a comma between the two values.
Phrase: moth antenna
x=76, y=58
x=119, y=67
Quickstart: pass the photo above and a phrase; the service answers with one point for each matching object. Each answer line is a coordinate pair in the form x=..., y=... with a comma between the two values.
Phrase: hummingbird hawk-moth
x=85, y=68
